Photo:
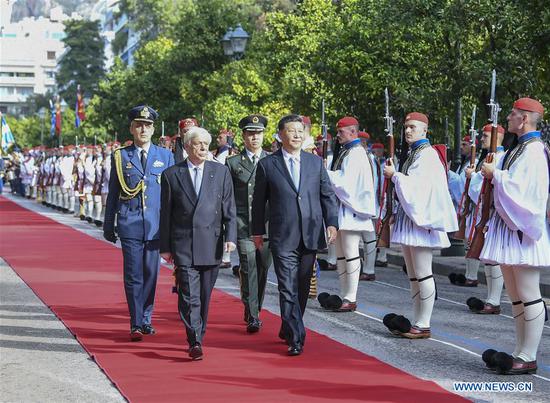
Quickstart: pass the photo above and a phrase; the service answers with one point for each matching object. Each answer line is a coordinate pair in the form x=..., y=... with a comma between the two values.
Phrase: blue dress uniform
x=134, y=200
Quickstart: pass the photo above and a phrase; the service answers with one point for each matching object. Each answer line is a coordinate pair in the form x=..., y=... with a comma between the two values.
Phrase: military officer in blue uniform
x=134, y=203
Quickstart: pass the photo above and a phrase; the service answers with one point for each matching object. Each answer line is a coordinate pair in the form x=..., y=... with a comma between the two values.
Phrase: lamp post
x=234, y=42
x=42, y=115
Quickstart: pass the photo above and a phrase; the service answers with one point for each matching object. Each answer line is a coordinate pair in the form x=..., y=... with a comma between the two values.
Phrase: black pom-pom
x=334, y=302
x=322, y=298
x=475, y=304
x=401, y=324
x=460, y=279
x=452, y=278
x=488, y=357
x=503, y=362
x=387, y=320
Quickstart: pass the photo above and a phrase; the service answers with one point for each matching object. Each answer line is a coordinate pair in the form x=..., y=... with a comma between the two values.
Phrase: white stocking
x=415, y=290
x=517, y=306
x=382, y=257
x=97, y=208
x=496, y=281
x=472, y=267
x=422, y=265
x=369, y=251
x=528, y=287
x=349, y=248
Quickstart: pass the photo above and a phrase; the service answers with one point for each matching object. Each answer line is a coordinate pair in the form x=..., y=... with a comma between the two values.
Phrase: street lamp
x=42, y=115
x=226, y=43
x=234, y=42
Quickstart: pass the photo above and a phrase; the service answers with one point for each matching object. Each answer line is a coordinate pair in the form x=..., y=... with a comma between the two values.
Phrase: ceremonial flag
x=79, y=108
x=52, y=119
x=7, y=135
x=58, y=117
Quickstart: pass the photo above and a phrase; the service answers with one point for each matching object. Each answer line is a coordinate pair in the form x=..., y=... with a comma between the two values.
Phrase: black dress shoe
x=195, y=352
x=294, y=350
x=89, y=219
x=98, y=223
x=136, y=334
x=82, y=217
x=148, y=329
x=254, y=325
x=379, y=263
x=236, y=271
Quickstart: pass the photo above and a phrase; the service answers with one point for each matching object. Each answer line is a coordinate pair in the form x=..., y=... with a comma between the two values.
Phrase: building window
x=7, y=74
x=51, y=55
x=50, y=74
x=25, y=90
x=7, y=90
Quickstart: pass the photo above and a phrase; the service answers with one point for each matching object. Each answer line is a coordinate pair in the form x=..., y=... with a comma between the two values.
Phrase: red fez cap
x=347, y=121
x=364, y=135
x=116, y=143
x=488, y=127
x=529, y=105
x=128, y=142
x=468, y=139
x=377, y=145
x=417, y=116
x=306, y=120
x=187, y=122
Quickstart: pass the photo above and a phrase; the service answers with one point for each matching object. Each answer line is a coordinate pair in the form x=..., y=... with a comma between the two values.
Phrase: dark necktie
x=143, y=159
x=254, y=159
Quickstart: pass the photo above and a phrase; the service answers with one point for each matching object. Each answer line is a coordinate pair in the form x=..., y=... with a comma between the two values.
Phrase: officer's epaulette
x=121, y=147
x=233, y=157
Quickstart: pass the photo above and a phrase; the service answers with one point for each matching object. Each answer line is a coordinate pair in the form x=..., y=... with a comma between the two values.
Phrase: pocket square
x=158, y=164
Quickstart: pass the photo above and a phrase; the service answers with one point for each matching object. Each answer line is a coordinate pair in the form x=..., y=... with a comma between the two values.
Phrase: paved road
x=452, y=355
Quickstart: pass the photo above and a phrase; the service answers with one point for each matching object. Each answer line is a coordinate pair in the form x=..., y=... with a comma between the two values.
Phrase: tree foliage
x=434, y=56
x=83, y=61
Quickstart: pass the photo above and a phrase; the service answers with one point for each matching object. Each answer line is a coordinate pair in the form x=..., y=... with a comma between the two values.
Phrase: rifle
x=476, y=243
x=465, y=201
x=383, y=225
x=324, y=133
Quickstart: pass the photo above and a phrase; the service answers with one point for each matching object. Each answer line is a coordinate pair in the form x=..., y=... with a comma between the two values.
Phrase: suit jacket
x=178, y=150
x=243, y=173
x=137, y=218
x=295, y=214
x=193, y=228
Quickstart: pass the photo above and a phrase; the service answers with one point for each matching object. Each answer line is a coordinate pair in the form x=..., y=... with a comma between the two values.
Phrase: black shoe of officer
x=254, y=325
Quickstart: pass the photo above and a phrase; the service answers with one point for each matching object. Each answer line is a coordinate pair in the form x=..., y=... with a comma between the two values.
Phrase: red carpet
x=80, y=279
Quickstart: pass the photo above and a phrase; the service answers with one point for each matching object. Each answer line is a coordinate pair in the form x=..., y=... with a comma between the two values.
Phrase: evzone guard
x=422, y=222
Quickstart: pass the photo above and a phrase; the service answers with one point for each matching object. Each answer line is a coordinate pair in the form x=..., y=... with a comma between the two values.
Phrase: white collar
x=251, y=154
x=193, y=166
x=146, y=148
x=287, y=156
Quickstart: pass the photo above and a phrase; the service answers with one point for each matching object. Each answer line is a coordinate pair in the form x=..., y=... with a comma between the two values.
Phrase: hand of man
x=229, y=247
x=488, y=169
x=167, y=256
x=469, y=171
x=258, y=241
x=331, y=234
x=110, y=236
x=389, y=169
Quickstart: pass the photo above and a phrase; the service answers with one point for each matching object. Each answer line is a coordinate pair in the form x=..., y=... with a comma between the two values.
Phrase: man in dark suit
x=301, y=198
x=254, y=264
x=134, y=201
x=197, y=213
